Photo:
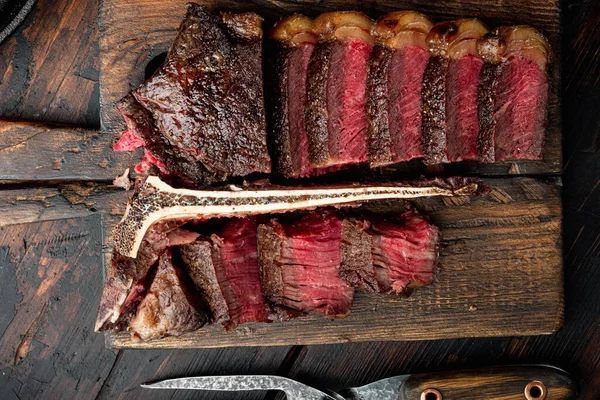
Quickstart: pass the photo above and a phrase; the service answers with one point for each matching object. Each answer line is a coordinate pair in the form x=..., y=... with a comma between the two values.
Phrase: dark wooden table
x=50, y=268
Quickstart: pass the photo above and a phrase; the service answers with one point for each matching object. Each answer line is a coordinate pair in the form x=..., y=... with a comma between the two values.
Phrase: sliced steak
x=336, y=90
x=522, y=95
x=234, y=256
x=462, y=84
x=197, y=258
x=491, y=48
x=206, y=100
x=171, y=307
x=127, y=281
x=404, y=252
x=434, y=128
x=394, y=88
x=300, y=264
x=357, y=261
x=296, y=42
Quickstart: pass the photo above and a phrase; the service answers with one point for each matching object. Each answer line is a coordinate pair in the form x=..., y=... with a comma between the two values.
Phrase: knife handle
x=506, y=383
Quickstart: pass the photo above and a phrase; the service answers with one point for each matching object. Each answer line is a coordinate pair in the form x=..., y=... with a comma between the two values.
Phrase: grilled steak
x=491, y=48
x=404, y=252
x=171, y=307
x=300, y=264
x=296, y=42
x=336, y=89
x=522, y=95
x=357, y=261
x=394, y=88
x=434, y=94
x=234, y=255
x=206, y=100
x=464, y=72
x=127, y=281
x=197, y=258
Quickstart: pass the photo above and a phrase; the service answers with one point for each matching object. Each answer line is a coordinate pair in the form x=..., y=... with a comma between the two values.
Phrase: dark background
x=49, y=72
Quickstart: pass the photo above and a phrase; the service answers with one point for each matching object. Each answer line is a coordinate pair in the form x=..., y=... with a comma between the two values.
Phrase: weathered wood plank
x=500, y=275
x=134, y=32
x=50, y=288
x=41, y=152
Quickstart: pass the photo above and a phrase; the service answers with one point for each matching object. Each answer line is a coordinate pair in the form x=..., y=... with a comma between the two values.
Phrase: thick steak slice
x=404, y=252
x=207, y=97
x=197, y=258
x=336, y=90
x=464, y=71
x=171, y=307
x=300, y=264
x=522, y=95
x=296, y=43
x=234, y=255
x=127, y=281
x=394, y=88
x=491, y=48
x=357, y=262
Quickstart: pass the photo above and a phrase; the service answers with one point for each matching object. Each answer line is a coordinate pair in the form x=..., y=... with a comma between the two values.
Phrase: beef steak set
x=348, y=91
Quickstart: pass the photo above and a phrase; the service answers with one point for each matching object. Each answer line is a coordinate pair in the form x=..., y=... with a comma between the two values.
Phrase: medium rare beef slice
x=234, y=255
x=394, y=87
x=404, y=252
x=336, y=90
x=126, y=281
x=171, y=307
x=357, y=262
x=197, y=258
x=300, y=264
x=296, y=42
x=522, y=95
x=491, y=48
x=207, y=97
x=464, y=71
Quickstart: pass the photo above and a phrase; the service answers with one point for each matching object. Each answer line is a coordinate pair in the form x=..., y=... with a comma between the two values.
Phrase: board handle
x=537, y=382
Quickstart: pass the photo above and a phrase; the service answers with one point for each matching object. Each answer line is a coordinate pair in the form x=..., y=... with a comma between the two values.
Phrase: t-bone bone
x=156, y=201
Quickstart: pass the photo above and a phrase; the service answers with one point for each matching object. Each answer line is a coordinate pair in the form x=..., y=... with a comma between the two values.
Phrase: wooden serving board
x=501, y=259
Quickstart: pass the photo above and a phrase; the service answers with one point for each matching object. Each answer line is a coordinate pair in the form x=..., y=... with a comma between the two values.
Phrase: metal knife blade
x=293, y=390
x=532, y=382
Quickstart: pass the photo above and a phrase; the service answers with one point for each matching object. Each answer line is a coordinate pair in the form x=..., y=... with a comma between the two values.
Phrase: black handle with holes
x=506, y=383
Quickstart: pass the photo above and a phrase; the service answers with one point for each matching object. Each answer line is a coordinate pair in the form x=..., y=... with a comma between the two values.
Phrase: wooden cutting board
x=501, y=259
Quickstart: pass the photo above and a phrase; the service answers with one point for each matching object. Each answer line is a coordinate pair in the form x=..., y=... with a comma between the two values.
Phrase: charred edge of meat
x=197, y=259
x=379, y=143
x=293, y=30
x=269, y=248
x=295, y=42
x=243, y=26
x=316, y=115
x=434, y=110
x=491, y=48
x=172, y=306
x=402, y=29
x=343, y=24
x=523, y=41
x=356, y=269
x=157, y=201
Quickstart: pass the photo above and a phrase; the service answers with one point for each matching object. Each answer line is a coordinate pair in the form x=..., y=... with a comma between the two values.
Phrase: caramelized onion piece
x=525, y=42
x=402, y=29
x=294, y=30
x=464, y=40
x=491, y=47
x=343, y=24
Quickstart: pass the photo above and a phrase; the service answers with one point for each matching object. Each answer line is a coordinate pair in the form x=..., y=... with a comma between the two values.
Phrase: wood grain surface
x=135, y=32
x=500, y=275
x=23, y=83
